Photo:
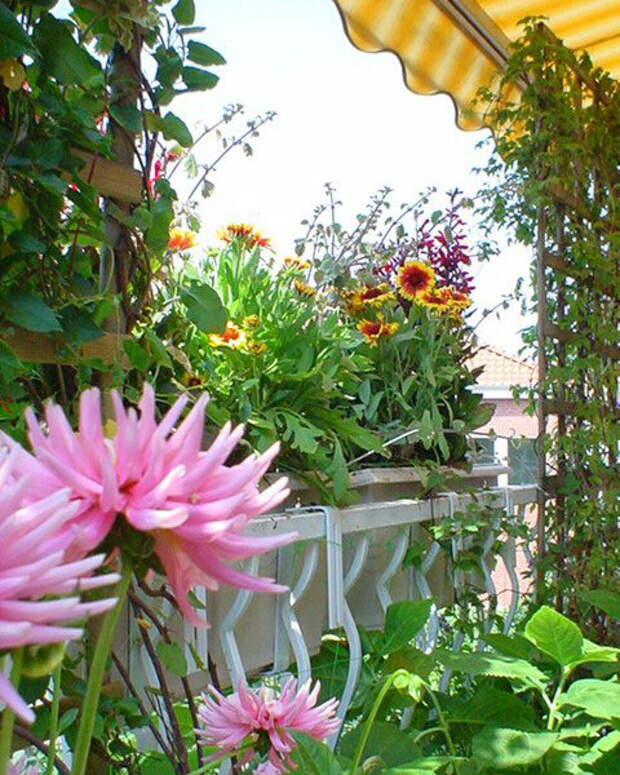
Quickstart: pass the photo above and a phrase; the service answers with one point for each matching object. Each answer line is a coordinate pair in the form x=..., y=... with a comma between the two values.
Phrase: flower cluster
x=296, y=264
x=39, y=582
x=266, y=722
x=181, y=239
x=304, y=290
x=244, y=234
x=239, y=338
x=374, y=330
x=417, y=283
x=193, y=506
x=357, y=301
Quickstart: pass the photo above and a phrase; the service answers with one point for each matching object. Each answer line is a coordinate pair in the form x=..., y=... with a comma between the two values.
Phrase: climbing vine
x=554, y=182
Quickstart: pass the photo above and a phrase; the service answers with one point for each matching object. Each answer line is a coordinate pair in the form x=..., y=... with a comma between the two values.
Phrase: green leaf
x=495, y=748
x=403, y=621
x=204, y=55
x=605, y=600
x=157, y=348
x=174, y=128
x=158, y=234
x=555, y=635
x=78, y=326
x=340, y=475
x=67, y=718
x=600, y=699
x=184, y=12
x=14, y=39
x=128, y=116
x=140, y=359
x=424, y=765
x=32, y=313
x=204, y=308
x=62, y=57
x=198, y=80
x=315, y=758
x=9, y=362
x=495, y=665
x=172, y=657
x=489, y=705
x=511, y=646
x=385, y=740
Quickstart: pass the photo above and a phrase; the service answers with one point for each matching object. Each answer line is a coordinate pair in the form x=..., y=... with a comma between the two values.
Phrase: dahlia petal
x=10, y=697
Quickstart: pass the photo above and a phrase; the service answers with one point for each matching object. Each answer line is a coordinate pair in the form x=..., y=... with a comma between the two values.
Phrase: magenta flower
x=260, y=717
x=160, y=480
x=33, y=567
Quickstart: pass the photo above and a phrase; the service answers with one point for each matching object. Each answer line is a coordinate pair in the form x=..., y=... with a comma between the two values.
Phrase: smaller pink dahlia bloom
x=157, y=477
x=230, y=720
x=20, y=768
x=33, y=568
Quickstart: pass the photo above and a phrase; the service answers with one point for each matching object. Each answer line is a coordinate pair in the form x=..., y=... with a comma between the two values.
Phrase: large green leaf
x=172, y=657
x=174, y=128
x=198, y=80
x=605, y=600
x=510, y=646
x=489, y=705
x=555, y=635
x=204, y=308
x=495, y=748
x=14, y=40
x=495, y=665
x=128, y=116
x=62, y=57
x=78, y=326
x=385, y=740
x=204, y=55
x=424, y=765
x=158, y=234
x=403, y=621
x=184, y=12
x=315, y=758
x=32, y=313
x=600, y=699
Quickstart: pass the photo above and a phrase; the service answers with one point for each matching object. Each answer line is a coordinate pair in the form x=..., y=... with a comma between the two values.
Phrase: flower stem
x=371, y=718
x=54, y=713
x=97, y=672
x=8, y=715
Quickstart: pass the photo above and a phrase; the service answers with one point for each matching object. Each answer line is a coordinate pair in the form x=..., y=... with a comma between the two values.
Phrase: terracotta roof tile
x=502, y=370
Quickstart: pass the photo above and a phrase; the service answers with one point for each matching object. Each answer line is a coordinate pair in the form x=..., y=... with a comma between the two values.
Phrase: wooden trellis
x=578, y=298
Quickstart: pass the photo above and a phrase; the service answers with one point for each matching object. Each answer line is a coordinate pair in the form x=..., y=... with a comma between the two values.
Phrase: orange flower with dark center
x=232, y=337
x=368, y=296
x=246, y=234
x=456, y=299
x=181, y=239
x=414, y=278
x=304, y=290
x=374, y=330
x=436, y=299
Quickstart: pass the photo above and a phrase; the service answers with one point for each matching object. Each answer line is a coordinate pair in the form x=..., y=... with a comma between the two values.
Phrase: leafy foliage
x=551, y=178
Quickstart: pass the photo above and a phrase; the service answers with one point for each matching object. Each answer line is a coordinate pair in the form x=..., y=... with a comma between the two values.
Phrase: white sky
x=343, y=116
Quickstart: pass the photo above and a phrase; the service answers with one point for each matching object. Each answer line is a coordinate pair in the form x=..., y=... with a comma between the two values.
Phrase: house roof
x=502, y=370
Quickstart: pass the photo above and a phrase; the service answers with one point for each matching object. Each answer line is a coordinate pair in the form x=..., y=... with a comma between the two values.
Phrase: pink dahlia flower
x=160, y=480
x=230, y=720
x=33, y=567
x=20, y=768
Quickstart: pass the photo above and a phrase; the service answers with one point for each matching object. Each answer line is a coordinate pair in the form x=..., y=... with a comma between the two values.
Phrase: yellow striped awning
x=456, y=46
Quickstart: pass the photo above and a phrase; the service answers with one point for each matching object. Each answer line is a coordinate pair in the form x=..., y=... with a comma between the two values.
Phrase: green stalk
x=97, y=672
x=8, y=715
x=371, y=718
x=54, y=713
x=553, y=707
